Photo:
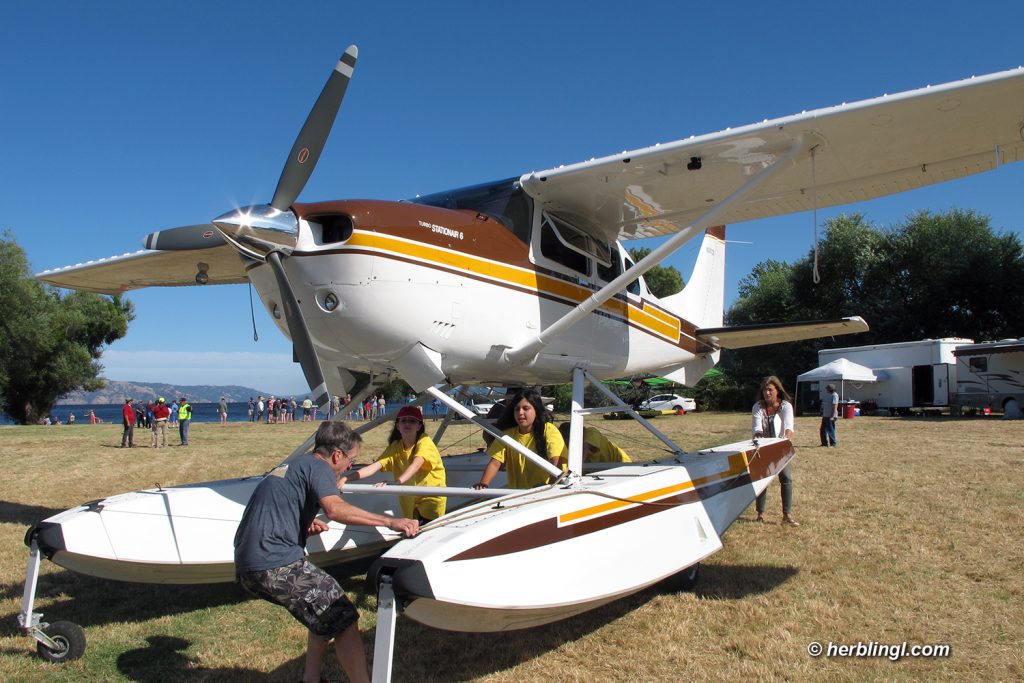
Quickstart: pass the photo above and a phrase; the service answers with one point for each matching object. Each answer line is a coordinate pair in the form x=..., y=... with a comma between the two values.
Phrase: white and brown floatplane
x=575, y=546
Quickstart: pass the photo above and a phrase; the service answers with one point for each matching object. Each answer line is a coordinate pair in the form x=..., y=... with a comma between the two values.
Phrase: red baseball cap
x=409, y=411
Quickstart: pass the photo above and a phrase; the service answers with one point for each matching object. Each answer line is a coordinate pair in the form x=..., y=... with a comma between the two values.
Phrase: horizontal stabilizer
x=744, y=336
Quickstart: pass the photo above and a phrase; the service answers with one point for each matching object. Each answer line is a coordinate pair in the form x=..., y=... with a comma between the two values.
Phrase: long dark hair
x=508, y=418
x=780, y=392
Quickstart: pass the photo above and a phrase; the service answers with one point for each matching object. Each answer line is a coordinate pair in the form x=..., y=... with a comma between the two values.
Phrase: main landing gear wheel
x=685, y=580
x=70, y=641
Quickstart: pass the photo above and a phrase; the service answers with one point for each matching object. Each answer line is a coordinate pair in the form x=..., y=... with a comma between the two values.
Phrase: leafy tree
x=768, y=294
x=661, y=280
x=50, y=343
x=951, y=275
x=933, y=276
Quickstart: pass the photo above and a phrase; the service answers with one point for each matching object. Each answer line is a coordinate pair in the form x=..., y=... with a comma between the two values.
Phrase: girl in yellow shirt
x=414, y=459
x=527, y=421
x=596, y=446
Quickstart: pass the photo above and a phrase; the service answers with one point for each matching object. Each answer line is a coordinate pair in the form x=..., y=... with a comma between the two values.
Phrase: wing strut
x=525, y=352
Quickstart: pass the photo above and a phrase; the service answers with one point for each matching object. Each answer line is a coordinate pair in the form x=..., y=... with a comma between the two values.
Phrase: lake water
x=201, y=412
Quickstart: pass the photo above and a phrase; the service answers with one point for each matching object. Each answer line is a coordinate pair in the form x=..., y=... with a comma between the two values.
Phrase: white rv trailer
x=991, y=375
x=917, y=374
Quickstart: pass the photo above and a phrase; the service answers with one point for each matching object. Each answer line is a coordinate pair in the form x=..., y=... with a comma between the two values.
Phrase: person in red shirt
x=161, y=413
x=128, y=419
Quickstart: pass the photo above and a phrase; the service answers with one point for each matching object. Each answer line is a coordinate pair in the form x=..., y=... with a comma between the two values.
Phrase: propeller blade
x=186, y=237
x=313, y=136
x=300, y=334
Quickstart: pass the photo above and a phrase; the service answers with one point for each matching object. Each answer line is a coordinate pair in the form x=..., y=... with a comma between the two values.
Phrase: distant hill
x=117, y=392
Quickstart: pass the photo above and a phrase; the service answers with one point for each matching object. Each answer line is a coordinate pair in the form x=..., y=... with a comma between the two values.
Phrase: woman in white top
x=772, y=415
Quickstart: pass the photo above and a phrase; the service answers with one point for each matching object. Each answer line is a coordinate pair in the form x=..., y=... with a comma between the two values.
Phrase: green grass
x=910, y=532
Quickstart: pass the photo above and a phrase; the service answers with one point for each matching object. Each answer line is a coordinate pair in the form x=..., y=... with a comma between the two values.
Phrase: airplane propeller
x=298, y=168
x=313, y=136
x=269, y=232
x=186, y=237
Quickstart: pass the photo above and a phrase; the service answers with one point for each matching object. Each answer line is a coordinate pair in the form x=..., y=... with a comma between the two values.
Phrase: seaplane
x=520, y=282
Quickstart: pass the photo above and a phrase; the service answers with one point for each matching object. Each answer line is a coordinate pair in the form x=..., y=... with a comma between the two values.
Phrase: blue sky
x=120, y=118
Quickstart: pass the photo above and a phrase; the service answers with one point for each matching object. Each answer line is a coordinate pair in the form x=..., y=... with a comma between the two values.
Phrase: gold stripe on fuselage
x=649, y=318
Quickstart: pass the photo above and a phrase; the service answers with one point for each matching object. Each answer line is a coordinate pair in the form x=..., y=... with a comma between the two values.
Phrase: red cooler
x=848, y=410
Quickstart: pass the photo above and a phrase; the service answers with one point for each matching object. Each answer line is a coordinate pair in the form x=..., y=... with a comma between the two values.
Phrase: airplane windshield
x=504, y=201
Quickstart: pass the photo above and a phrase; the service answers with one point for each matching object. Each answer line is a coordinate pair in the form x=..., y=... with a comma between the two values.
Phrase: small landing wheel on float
x=68, y=642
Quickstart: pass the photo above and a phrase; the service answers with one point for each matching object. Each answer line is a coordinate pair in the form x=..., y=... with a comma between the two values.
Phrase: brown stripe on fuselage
x=482, y=237
x=762, y=463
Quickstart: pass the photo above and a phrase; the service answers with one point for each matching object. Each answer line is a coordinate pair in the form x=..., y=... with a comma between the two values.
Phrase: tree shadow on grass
x=736, y=582
x=89, y=601
x=447, y=656
x=165, y=659
x=434, y=655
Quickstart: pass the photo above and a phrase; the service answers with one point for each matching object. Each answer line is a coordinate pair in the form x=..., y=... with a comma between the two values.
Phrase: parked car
x=481, y=406
x=669, y=402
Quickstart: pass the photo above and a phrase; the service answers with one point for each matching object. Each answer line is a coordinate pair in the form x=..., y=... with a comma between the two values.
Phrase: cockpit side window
x=555, y=247
x=634, y=286
x=613, y=270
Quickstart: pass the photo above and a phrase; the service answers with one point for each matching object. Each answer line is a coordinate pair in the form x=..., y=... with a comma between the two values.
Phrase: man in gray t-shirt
x=270, y=547
x=829, y=413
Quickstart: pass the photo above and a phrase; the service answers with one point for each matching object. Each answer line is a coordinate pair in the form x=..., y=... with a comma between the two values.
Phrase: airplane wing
x=861, y=150
x=744, y=336
x=150, y=268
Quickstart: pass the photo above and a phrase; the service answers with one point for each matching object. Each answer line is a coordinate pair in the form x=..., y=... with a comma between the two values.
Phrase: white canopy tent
x=839, y=371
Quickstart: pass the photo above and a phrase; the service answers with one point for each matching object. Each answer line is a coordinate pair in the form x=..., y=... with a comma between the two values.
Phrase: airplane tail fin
x=701, y=303
x=702, y=300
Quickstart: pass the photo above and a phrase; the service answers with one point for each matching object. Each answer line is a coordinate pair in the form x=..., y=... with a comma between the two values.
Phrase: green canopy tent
x=659, y=381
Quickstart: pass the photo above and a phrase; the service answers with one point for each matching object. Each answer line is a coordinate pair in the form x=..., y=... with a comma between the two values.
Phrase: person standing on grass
x=773, y=416
x=829, y=413
x=270, y=547
x=127, y=421
x=160, y=415
x=222, y=410
x=184, y=419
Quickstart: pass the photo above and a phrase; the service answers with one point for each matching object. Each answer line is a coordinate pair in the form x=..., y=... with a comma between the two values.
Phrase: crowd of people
x=276, y=410
x=155, y=416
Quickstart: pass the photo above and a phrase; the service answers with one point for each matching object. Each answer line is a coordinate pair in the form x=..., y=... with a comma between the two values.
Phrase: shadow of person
x=27, y=515
x=164, y=659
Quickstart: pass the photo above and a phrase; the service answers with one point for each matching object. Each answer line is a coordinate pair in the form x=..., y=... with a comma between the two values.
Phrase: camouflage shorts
x=309, y=593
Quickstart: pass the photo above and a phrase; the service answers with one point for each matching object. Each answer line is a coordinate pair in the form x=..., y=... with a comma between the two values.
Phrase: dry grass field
x=910, y=532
